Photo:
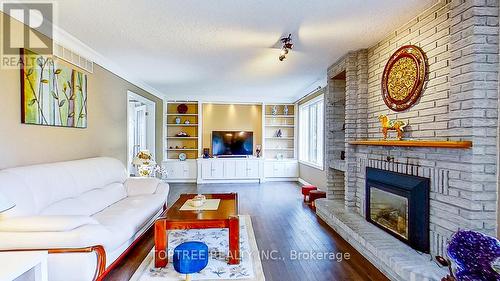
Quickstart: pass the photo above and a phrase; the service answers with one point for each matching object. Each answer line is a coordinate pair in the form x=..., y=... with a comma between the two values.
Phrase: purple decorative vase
x=473, y=255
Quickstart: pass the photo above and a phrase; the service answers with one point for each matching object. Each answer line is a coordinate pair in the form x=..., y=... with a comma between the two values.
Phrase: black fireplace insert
x=399, y=204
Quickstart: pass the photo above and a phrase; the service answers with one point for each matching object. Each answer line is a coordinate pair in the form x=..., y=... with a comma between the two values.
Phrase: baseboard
x=303, y=182
x=180, y=180
x=229, y=181
x=281, y=179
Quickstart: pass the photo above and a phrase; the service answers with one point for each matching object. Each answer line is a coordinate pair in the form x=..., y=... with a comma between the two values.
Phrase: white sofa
x=77, y=205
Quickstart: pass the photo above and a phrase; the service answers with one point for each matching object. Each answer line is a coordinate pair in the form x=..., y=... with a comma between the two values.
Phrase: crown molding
x=231, y=99
x=313, y=87
x=70, y=42
x=64, y=38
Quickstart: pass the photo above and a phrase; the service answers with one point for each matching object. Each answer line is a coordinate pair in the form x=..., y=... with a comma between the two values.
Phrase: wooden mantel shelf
x=415, y=143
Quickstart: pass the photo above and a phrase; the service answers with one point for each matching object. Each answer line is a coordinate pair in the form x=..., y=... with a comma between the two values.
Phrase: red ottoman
x=316, y=194
x=306, y=189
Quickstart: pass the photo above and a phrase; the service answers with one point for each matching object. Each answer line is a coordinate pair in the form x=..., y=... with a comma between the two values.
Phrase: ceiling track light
x=287, y=45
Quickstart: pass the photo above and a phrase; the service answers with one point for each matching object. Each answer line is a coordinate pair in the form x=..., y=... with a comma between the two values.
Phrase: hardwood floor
x=284, y=226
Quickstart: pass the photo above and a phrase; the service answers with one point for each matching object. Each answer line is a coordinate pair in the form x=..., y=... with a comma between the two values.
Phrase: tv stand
x=230, y=169
x=231, y=156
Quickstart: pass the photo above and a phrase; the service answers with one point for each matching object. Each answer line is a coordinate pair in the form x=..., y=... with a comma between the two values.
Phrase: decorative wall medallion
x=404, y=77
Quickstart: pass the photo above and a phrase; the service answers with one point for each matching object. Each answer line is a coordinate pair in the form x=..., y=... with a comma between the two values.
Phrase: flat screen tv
x=234, y=143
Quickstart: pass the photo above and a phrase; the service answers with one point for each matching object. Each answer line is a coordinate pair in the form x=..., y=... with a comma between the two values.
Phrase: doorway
x=141, y=126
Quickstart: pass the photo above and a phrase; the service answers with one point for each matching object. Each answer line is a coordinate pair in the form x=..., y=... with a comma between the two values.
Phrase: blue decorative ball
x=190, y=257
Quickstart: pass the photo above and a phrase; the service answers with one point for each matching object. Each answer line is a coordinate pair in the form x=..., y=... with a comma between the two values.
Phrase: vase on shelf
x=285, y=110
x=275, y=110
x=177, y=120
x=279, y=133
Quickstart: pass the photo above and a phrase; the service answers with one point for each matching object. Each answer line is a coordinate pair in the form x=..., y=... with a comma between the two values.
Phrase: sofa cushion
x=88, y=203
x=126, y=217
x=34, y=188
x=84, y=236
x=45, y=223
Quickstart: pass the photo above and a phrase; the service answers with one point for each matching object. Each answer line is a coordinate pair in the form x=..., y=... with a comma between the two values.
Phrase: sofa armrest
x=144, y=186
x=97, y=249
x=141, y=186
x=163, y=188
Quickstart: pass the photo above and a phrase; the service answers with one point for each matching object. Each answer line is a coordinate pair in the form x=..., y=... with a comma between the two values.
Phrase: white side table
x=15, y=264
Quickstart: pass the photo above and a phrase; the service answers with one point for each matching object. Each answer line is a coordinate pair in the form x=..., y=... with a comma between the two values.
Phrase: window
x=311, y=125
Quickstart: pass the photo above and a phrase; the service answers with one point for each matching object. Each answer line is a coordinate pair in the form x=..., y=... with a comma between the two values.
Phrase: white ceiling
x=219, y=49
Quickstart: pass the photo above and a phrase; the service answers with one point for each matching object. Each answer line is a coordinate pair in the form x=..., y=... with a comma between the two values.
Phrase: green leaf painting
x=53, y=93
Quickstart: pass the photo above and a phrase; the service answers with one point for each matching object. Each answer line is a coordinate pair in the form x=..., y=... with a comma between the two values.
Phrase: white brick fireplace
x=459, y=102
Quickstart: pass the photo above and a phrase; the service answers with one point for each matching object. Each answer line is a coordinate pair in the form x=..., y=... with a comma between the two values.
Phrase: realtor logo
x=27, y=25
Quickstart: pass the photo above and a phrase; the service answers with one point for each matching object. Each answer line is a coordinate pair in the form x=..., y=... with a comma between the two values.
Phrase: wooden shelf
x=415, y=143
x=282, y=138
x=284, y=126
x=184, y=102
x=193, y=140
x=280, y=116
x=182, y=114
x=182, y=125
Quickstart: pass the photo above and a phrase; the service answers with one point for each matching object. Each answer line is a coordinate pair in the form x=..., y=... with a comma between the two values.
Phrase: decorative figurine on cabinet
x=206, y=153
x=285, y=110
x=258, y=150
x=177, y=120
x=392, y=125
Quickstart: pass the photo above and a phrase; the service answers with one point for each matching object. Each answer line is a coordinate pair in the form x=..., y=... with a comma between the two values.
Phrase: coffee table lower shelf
x=226, y=216
x=162, y=226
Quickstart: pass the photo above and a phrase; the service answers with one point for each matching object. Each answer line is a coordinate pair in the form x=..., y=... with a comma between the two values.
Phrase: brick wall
x=460, y=102
x=335, y=137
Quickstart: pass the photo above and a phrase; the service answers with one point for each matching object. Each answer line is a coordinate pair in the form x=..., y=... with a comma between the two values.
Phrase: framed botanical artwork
x=52, y=92
x=404, y=77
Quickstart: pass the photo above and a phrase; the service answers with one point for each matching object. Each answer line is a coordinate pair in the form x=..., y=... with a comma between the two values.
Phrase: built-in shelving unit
x=174, y=145
x=276, y=147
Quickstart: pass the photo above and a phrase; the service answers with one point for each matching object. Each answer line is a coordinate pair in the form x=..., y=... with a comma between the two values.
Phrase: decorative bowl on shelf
x=182, y=108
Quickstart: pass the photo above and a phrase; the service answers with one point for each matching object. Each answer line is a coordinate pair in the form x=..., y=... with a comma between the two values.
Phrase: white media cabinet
x=231, y=170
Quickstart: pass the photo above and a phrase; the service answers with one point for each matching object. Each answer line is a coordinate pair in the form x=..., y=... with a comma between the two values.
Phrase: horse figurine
x=392, y=125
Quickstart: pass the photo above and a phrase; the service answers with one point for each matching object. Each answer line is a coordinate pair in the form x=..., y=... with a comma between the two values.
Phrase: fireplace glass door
x=389, y=211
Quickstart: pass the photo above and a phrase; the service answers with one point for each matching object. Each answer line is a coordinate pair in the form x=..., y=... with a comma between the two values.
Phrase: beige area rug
x=249, y=269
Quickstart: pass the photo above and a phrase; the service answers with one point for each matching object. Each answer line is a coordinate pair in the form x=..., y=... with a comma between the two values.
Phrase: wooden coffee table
x=226, y=216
